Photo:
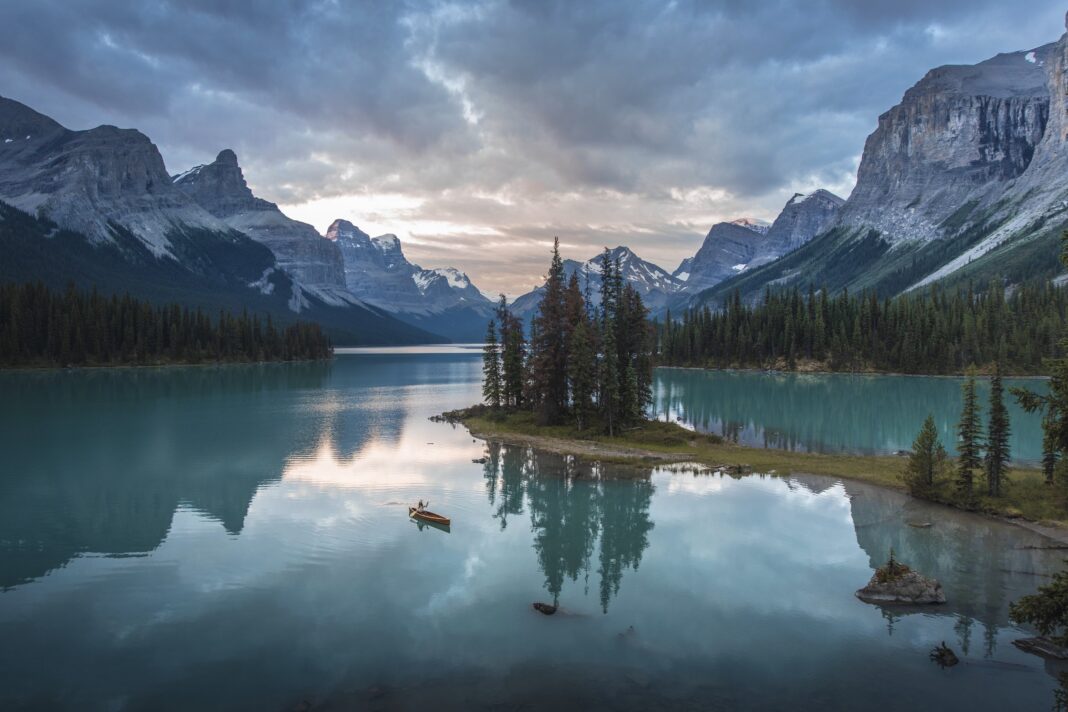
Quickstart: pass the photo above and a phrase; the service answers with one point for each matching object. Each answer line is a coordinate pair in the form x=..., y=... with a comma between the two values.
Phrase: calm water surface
x=833, y=412
x=236, y=538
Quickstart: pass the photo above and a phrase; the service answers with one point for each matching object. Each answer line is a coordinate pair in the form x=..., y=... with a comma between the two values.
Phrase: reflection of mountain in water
x=134, y=446
x=983, y=564
x=827, y=413
x=574, y=513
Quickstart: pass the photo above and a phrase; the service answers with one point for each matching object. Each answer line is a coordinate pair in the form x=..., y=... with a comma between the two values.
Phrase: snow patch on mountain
x=754, y=224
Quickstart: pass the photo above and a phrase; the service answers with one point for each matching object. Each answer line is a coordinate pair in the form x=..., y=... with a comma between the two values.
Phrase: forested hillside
x=39, y=327
x=934, y=331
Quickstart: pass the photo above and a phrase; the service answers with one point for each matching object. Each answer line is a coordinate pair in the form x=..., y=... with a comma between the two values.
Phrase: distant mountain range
x=965, y=179
x=98, y=208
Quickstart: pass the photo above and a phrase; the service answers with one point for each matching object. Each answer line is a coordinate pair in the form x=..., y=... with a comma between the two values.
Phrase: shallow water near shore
x=237, y=537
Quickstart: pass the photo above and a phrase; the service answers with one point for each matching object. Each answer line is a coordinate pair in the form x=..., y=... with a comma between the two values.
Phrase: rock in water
x=909, y=587
x=544, y=608
x=1043, y=647
x=944, y=656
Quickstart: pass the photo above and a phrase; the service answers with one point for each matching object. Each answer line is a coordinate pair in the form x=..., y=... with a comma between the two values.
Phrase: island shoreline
x=739, y=458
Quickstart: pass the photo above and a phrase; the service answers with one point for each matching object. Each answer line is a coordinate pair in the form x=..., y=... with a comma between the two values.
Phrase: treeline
x=926, y=332
x=39, y=327
x=590, y=366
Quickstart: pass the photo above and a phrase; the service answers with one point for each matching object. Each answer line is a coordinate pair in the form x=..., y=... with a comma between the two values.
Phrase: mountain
x=727, y=250
x=653, y=283
x=962, y=181
x=221, y=190
x=754, y=224
x=98, y=208
x=802, y=218
x=440, y=300
x=682, y=272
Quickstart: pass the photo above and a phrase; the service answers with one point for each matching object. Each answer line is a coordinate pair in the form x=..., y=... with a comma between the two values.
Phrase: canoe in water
x=428, y=516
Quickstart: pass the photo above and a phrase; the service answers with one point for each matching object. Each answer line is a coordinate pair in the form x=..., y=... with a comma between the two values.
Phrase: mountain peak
x=754, y=224
x=226, y=157
x=19, y=122
x=340, y=229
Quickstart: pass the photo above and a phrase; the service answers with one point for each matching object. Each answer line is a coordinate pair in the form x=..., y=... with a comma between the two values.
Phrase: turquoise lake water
x=872, y=415
x=237, y=538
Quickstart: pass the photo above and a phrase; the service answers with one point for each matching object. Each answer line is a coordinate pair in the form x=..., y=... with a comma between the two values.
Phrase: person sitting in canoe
x=421, y=506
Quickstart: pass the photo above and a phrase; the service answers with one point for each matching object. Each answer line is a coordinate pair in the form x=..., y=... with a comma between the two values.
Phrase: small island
x=582, y=385
x=894, y=582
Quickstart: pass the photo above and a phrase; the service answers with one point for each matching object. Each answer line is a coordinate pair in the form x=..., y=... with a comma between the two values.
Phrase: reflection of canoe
x=428, y=516
x=431, y=525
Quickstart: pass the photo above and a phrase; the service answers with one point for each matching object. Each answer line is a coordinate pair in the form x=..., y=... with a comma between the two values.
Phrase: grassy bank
x=1027, y=495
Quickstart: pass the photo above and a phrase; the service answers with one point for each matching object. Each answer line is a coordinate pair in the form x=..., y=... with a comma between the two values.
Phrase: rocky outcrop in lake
x=910, y=587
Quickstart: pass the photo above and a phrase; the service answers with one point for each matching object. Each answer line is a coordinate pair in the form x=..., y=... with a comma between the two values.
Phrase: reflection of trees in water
x=575, y=512
x=825, y=412
x=983, y=565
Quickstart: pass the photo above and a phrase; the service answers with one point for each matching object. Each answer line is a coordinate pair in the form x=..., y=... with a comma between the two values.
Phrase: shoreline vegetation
x=40, y=328
x=933, y=331
x=1026, y=501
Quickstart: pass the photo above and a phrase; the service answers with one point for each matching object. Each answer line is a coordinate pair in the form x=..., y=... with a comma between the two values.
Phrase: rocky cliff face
x=377, y=272
x=803, y=217
x=220, y=189
x=727, y=250
x=961, y=181
x=957, y=137
x=92, y=181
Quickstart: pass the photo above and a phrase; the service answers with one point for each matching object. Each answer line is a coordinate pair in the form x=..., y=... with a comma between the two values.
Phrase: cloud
x=504, y=122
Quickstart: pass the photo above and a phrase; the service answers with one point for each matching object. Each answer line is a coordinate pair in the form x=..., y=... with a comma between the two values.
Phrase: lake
x=237, y=537
x=829, y=413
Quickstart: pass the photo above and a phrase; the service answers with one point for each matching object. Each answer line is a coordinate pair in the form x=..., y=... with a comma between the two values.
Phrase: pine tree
x=968, y=437
x=548, y=348
x=927, y=461
x=491, y=368
x=582, y=372
x=1046, y=610
x=997, y=439
x=513, y=347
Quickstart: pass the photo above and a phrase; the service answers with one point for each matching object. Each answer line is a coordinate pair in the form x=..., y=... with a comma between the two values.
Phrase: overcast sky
x=478, y=130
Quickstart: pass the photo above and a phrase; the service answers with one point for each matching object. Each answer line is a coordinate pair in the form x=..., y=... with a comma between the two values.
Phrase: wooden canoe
x=428, y=516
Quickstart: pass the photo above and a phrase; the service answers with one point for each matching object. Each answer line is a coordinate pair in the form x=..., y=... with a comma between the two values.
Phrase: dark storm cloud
x=595, y=119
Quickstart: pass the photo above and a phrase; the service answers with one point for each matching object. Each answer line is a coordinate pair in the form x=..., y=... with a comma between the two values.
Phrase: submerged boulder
x=944, y=656
x=895, y=582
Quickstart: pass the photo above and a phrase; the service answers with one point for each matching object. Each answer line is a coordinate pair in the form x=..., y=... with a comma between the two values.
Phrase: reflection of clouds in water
x=459, y=593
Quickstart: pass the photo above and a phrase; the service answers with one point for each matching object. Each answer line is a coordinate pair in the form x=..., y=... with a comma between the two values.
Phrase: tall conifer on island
x=997, y=439
x=491, y=368
x=927, y=460
x=513, y=347
x=969, y=460
x=548, y=348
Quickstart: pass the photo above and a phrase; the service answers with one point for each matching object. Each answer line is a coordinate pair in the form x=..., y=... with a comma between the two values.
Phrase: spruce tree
x=582, y=373
x=513, y=348
x=969, y=460
x=926, y=462
x=1053, y=404
x=997, y=439
x=491, y=368
x=548, y=352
